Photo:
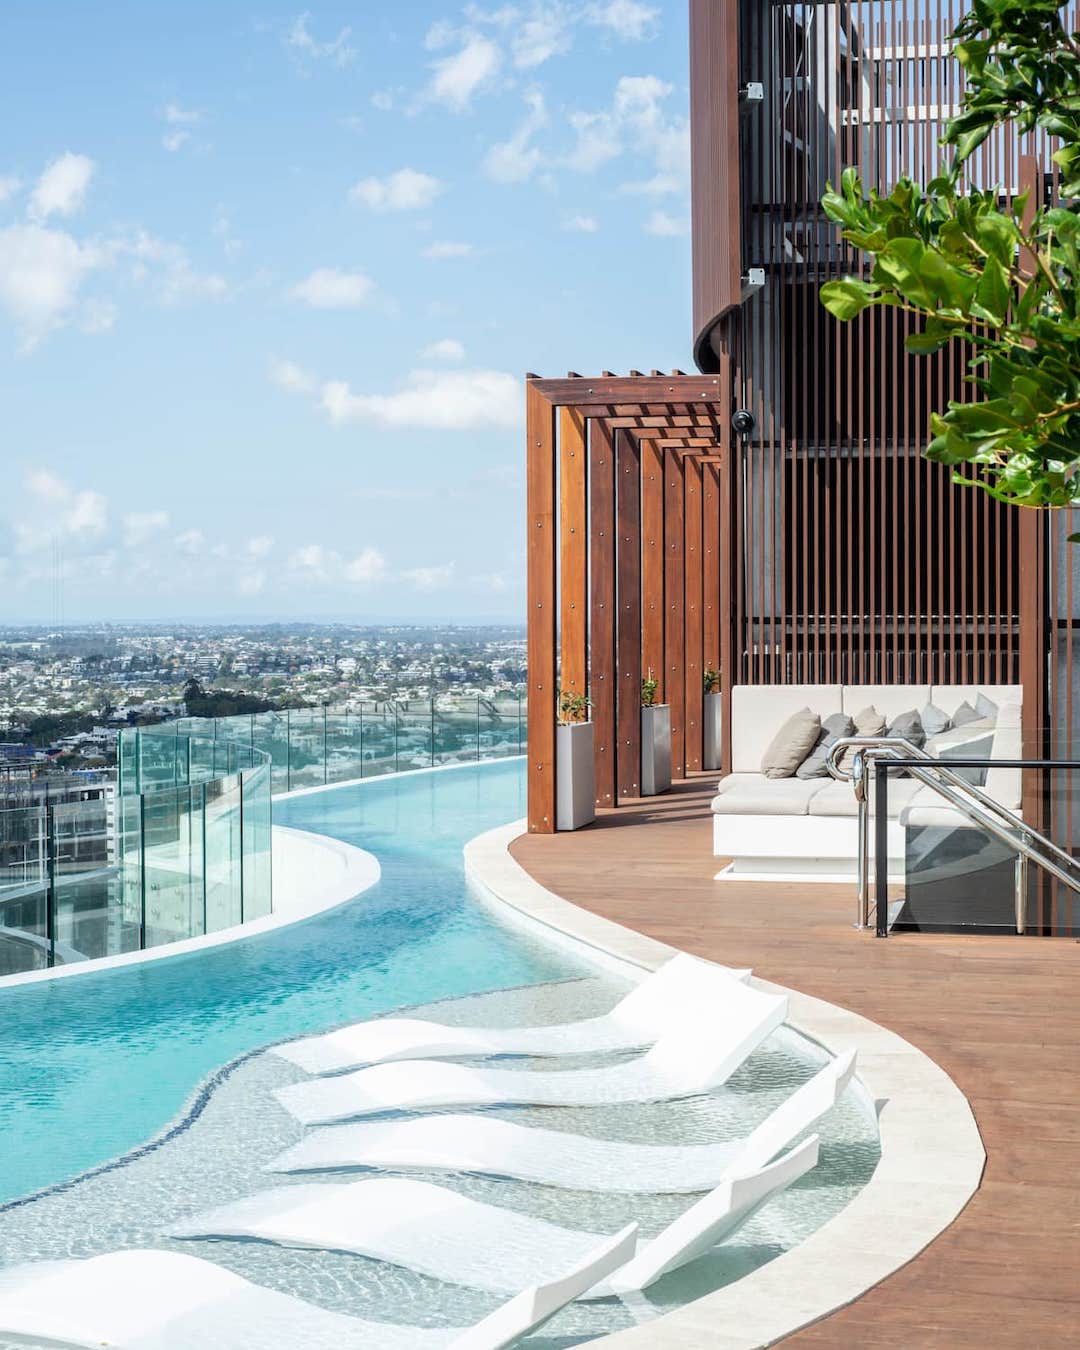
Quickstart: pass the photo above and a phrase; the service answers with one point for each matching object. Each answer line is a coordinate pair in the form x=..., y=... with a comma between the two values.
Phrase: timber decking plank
x=999, y=1014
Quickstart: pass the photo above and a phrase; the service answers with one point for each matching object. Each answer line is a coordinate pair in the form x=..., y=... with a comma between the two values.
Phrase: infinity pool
x=93, y=1065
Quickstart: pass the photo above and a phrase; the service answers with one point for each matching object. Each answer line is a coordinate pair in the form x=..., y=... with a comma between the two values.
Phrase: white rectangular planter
x=711, y=723
x=655, y=750
x=575, y=776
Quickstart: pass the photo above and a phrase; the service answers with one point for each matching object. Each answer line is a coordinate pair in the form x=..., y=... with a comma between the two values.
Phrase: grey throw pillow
x=986, y=707
x=965, y=714
x=909, y=725
x=833, y=729
x=791, y=744
x=934, y=721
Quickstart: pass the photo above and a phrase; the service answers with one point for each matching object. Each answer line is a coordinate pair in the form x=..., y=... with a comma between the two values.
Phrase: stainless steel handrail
x=976, y=805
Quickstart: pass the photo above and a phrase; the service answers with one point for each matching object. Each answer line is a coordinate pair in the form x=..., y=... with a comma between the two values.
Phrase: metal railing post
x=50, y=885
x=1021, y=891
x=881, y=847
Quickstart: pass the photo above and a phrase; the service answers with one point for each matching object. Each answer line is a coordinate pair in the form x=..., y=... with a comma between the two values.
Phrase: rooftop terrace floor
x=1000, y=1014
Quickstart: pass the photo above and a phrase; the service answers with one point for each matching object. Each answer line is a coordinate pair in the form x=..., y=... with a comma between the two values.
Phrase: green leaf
x=847, y=298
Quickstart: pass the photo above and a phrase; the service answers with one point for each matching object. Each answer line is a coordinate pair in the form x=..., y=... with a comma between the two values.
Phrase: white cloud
x=168, y=267
x=382, y=100
x=368, y=566
x=547, y=32
x=447, y=349
x=581, y=224
x=328, y=288
x=665, y=225
x=260, y=545
x=139, y=526
x=98, y=316
x=304, y=44
x=292, y=378
x=190, y=541
x=61, y=189
x=638, y=122
x=460, y=76
x=629, y=20
x=429, y=400
x=41, y=271
x=430, y=578
x=405, y=190
x=447, y=248
x=9, y=186
x=77, y=514
x=316, y=562
x=515, y=160
x=179, y=120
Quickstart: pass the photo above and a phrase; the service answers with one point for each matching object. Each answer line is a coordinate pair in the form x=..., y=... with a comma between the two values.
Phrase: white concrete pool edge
x=932, y=1155
x=312, y=875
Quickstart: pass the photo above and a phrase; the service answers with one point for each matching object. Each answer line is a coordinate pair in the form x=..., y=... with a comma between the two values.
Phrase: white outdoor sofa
x=807, y=828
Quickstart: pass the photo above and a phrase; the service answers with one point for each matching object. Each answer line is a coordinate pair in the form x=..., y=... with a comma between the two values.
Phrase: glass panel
x=306, y=749
x=23, y=891
x=344, y=746
x=255, y=784
x=222, y=853
x=379, y=738
x=90, y=918
x=455, y=736
x=172, y=865
x=414, y=738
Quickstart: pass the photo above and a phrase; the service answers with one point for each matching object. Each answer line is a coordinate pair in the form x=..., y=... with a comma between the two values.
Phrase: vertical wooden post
x=1035, y=654
x=540, y=562
x=628, y=638
x=692, y=558
x=674, y=626
x=728, y=606
x=710, y=563
x=603, y=683
x=573, y=549
x=652, y=563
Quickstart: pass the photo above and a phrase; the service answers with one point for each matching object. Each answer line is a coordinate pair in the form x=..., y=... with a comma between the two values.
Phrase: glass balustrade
x=178, y=847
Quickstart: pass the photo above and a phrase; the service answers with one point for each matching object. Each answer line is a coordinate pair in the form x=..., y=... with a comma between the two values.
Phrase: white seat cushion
x=838, y=799
x=756, y=795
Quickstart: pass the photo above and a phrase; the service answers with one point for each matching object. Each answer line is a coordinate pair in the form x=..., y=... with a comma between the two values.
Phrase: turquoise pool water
x=94, y=1065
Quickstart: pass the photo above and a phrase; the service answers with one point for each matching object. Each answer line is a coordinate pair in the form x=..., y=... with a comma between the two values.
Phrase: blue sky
x=269, y=280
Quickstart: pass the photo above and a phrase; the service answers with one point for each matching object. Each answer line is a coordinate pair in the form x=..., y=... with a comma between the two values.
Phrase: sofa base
x=797, y=848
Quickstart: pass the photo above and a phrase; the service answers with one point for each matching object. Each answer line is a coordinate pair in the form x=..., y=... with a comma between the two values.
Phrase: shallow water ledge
x=932, y=1155
x=312, y=873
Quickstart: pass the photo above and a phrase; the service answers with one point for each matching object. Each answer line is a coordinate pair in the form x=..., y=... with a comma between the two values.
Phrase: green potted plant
x=655, y=740
x=711, y=719
x=575, y=774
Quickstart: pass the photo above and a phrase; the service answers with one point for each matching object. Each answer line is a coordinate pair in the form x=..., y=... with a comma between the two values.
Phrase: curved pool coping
x=320, y=874
x=932, y=1155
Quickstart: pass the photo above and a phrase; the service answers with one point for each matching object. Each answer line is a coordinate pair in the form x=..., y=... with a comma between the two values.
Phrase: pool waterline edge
x=932, y=1155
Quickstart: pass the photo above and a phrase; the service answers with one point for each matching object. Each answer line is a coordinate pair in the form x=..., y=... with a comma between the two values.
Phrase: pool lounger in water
x=682, y=990
x=487, y=1146
x=157, y=1300
x=686, y=1062
x=451, y=1237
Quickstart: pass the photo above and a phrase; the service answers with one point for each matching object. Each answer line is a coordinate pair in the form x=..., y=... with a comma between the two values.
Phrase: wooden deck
x=1000, y=1014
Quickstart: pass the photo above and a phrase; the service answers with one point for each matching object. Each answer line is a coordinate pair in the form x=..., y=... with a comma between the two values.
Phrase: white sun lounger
x=685, y=989
x=459, y=1240
x=156, y=1300
x=487, y=1146
x=686, y=1062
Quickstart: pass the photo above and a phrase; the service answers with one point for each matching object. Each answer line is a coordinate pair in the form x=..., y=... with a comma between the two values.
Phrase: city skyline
x=269, y=283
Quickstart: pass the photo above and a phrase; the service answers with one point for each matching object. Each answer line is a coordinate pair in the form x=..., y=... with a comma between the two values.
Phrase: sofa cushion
x=985, y=707
x=888, y=699
x=934, y=720
x=758, y=709
x=965, y=714
x=766, y=796
x=973, y=740
x=791, y=744
x=838, y=799
x=833, y=729
x=868, y=722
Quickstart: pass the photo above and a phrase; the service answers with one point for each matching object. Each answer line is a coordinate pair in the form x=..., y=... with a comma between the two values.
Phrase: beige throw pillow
x=791, y=744
x=869, y=722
